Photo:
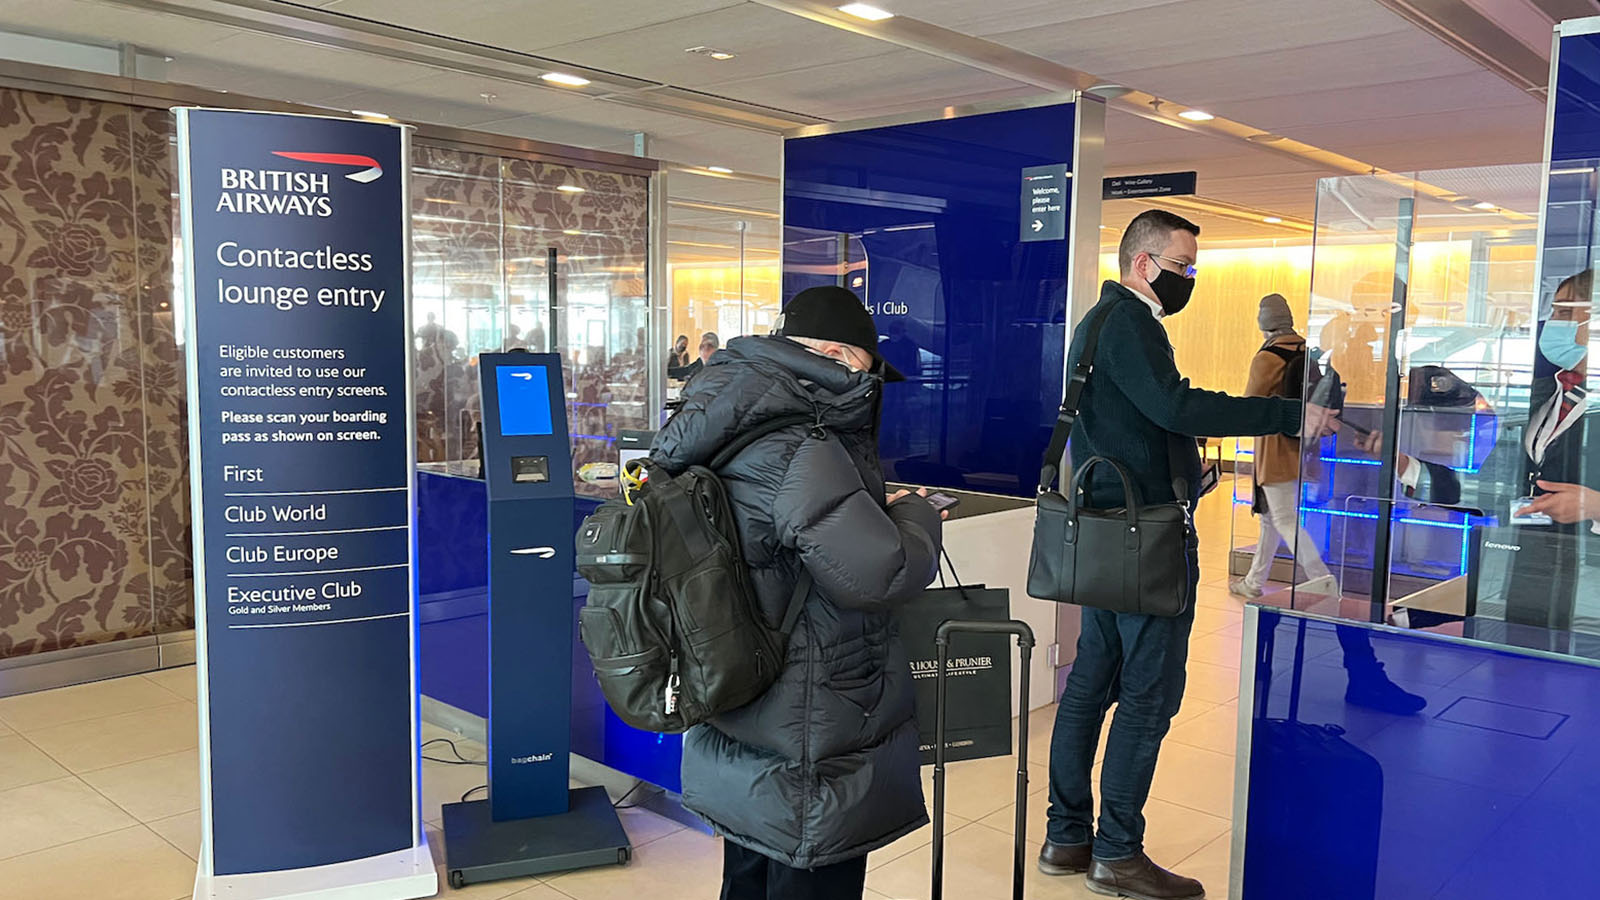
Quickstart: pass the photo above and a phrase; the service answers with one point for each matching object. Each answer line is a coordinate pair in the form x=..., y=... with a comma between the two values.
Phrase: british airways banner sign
x=301, y=447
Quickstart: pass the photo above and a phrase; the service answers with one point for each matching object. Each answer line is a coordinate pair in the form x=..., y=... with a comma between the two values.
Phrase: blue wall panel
x=1492, y=791
x=927, y=220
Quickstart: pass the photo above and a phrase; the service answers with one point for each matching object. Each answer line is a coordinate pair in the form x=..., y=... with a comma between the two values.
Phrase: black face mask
x=1172, y=290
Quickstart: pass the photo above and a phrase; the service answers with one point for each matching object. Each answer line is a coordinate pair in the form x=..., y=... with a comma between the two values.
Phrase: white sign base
x=402, y=875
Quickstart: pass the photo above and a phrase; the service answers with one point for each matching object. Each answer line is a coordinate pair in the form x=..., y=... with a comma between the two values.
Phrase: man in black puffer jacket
x=822, y=768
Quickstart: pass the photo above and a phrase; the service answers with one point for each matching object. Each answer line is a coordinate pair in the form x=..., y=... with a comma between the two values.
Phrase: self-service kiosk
x=531, y=822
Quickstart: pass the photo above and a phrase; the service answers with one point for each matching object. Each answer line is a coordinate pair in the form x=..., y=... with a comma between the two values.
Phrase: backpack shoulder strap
x=797, y=601
x=1287, y=354
x=739, y=444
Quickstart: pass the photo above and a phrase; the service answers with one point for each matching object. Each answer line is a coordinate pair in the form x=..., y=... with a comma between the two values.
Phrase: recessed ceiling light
x=720, y=170
x=713, y=52
x=368, y=114
x=564, y=79
x=1273, y=220
x=569, y=189
x=571, y=231
x=864, y=11
x=1484, y=204
x=1109, y=91
x=1195, y=115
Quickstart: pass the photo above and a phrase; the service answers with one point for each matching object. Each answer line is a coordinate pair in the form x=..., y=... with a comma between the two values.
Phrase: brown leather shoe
x=1140, y=879
x=1065, y=859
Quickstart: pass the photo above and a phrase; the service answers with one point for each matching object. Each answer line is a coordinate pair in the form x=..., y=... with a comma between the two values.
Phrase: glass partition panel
x=723, y=260
x=1464, y=395
x=705, y=252
x=456, y=293
x=513, y=254
x=592, y=230
x=724, y=273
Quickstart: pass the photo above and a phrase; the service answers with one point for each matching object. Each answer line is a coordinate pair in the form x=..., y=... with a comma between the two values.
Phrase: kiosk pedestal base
x=477, y=848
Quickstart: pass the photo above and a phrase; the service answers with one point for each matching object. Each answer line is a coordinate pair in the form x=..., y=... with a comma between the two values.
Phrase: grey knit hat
x=1275, y=315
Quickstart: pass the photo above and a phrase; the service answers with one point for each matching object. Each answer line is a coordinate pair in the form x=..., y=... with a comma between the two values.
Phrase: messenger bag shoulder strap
x=1068, y=413
x=1178, y=446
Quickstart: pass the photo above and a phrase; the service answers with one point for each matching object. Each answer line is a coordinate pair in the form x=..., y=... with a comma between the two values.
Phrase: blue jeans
x=1138, y=663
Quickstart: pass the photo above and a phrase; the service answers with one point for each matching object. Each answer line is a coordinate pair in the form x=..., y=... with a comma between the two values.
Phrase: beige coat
x=1277, y=456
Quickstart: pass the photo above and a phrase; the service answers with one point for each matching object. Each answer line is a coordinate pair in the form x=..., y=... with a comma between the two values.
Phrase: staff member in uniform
x=1561, y=476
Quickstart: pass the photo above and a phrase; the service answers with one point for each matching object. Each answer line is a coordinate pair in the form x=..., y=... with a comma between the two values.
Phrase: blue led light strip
x=1458, y=526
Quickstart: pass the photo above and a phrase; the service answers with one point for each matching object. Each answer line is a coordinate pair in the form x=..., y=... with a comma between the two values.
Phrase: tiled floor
x=99, y=796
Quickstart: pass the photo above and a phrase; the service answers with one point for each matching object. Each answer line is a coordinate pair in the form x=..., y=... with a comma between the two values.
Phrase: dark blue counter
x=453, y=574
x=1492, y=791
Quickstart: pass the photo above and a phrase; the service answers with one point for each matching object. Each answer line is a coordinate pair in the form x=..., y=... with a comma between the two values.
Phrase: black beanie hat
x=832, y=313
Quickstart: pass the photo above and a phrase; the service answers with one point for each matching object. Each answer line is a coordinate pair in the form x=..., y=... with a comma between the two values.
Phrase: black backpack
x=1294, y=372
x=671, y=624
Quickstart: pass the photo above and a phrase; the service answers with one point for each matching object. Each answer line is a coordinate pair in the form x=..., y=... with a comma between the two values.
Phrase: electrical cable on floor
x=460, y=760
x=622, y=802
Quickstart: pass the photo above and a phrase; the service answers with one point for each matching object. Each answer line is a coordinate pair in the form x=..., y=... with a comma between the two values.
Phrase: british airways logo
x=292, y=192
x=370, y=170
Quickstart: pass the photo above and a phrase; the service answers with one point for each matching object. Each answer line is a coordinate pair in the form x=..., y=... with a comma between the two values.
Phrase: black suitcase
x=1317, y=809
x=941, y=640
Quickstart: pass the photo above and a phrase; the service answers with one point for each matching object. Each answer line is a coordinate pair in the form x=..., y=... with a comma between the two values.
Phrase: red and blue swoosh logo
x=370, y=170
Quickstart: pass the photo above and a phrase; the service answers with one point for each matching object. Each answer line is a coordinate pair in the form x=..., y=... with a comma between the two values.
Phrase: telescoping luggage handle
x=941, y=640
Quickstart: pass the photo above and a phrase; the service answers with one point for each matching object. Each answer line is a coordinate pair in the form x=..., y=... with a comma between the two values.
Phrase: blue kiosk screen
x=524, y=400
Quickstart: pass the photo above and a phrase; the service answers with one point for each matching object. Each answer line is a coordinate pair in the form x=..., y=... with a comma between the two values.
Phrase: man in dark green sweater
x=1136, y=408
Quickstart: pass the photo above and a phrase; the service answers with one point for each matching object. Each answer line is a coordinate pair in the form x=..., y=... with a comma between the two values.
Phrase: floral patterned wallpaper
x=94, y=506
x=94, y=542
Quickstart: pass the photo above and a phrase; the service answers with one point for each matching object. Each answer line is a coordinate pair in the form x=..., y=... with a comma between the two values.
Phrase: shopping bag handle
x=945, y=560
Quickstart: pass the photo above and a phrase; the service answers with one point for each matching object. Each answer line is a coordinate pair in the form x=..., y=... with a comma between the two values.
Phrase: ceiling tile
x=1200, y=31
x=527, y=26
x=1521, y=127
x=768, y=42
x=1469, y=91
x=315, y=61
x=1386, y=59
x=986, y=19
x=93, y=22
x=899, y=77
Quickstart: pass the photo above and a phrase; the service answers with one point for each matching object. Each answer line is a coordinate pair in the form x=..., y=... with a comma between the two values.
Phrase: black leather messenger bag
x=1127, y=559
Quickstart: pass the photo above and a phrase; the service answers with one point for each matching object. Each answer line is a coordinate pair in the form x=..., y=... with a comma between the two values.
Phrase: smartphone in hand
x=1520, y=517
x=943, y=502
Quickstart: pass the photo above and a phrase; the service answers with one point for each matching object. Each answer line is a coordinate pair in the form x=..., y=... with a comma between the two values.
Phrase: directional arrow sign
x=1038, y=226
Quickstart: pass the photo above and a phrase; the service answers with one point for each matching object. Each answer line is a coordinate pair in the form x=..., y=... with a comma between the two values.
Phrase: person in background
x=708, y=346
x=678, y=355
x=823, y=768
x=1277, y=459
x=1138, y=410
x=1277, y=503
